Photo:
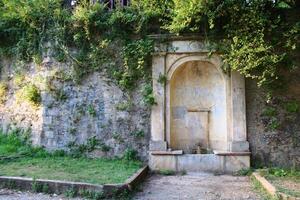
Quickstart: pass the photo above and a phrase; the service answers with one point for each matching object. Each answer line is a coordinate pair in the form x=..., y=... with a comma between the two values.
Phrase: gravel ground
x=17, y=195
x=198, y=186
x=193, y=186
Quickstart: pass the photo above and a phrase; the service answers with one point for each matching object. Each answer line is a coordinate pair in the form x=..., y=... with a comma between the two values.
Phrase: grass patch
x=286, y=181
x=35, y=162
x=97, y=171
x=261, y=191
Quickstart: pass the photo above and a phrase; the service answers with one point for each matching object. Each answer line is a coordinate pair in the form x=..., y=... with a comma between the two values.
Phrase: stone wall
x=274, y=128
x=71, y=114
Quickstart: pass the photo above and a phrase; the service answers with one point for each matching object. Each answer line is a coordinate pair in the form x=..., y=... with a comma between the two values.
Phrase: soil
x=193, y=186
x=197, y=186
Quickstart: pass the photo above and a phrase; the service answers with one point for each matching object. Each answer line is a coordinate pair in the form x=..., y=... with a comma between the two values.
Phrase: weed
x=292, y=107
x=273, y=124
x=70, y=193
x=91, y=110
x=162, y=79
x=91, y=194
x=244, y=172
x=260, y=189
x=130, y=154
x=45, y=189
x=19, y=80
x=10, y=184
x=167, y=172
x=138, y=133
x=60, y=95
x=3, y=92
x=124, y=106
x=118, y=137
x=269, y=112
x=36, y=186
x=29, y=93
x=148, y=97
x=104, y=147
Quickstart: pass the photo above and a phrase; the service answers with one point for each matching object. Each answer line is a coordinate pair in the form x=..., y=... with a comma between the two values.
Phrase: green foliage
x=162, y=79
x=19, y=80
x=273, y=124
x=95, y=171
x=130, y=154
x=260, y=189
x=292, y=107
x=70, y=193
x=244, y=172
x=81, y=150
x=60, y=95
x=138, y=133
x=118, y=137
x=91, y=110
x=255, y=37
x=29, y=93
x=167, y=172
x=16, y=142
x=3, y=92
x=269, y=112
x=36, y=186
x=279, y=172
x=124, y=106
x=148, y=97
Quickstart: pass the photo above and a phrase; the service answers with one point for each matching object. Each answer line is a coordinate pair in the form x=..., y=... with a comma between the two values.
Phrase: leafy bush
x=270, y=112
x=256, y=38
x=29, y=93
x=17, y=142
x=130, y=154
x=148, y=97
x=292, y=107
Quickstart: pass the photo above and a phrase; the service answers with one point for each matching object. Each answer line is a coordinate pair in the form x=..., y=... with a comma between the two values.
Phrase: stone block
x=239, y=146
x=199, y=163
x=236, y=163
x=158, y=146
x=162, y=162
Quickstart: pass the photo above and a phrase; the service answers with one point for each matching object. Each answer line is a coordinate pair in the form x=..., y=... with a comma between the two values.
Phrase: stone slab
x=158, y=146
x=199, y=163
x=239, y=146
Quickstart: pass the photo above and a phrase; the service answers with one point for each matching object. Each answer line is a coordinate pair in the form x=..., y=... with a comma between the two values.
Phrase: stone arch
x=191, y=113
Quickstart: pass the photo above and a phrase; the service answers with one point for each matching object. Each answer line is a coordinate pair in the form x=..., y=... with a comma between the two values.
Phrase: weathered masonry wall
x=279, y=147
x=97, y=107
x=72, y=114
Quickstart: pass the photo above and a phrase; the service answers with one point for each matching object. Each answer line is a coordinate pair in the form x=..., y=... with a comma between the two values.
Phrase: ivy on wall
x=258, y=38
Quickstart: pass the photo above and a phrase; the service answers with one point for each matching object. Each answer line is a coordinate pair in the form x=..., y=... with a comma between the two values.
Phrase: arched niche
x=197, y=110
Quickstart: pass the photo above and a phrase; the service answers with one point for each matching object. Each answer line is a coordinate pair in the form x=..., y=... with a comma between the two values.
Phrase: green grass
x=261, y=191
x=278, y=177
x=97, y=171
x=28, y=161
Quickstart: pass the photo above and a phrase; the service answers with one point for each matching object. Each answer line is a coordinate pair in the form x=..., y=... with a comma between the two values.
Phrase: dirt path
x=200, y=186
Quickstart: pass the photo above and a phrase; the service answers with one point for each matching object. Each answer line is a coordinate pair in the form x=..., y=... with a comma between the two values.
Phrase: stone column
x=238, y=138
x=158, y=140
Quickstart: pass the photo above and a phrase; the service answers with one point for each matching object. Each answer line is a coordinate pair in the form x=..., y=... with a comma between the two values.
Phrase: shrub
x=292, y=107
x=29, y=93
x=130, y=154
x=17, y=142
x=148, y=97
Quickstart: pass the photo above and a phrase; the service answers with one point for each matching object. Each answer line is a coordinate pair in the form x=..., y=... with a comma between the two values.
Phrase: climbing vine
x=259, y=38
